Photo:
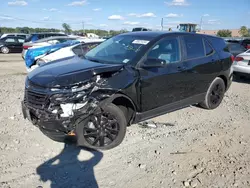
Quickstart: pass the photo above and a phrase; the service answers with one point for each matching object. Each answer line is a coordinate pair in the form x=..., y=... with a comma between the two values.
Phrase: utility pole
x=201, y=22
x=162, y=24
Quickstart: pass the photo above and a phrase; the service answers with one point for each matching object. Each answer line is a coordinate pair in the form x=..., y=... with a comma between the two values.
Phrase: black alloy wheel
x=103, y=130
x=214, y=95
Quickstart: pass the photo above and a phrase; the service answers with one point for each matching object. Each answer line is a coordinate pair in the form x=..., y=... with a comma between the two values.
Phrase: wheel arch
x=126, y=104
x=224, y=78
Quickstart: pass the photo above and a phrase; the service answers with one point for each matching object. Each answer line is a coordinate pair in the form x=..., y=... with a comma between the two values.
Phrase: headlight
x=67, y=97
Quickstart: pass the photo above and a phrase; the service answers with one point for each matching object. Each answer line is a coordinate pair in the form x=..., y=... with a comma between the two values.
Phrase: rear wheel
x=102, y=130
x=214, y=94
x=5, y=50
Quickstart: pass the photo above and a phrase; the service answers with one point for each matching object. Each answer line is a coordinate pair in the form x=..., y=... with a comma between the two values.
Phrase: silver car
x=241, y=64
x=45, y=42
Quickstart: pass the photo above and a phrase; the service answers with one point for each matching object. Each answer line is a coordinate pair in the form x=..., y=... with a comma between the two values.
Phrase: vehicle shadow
x=245, y=80
x=65, y=169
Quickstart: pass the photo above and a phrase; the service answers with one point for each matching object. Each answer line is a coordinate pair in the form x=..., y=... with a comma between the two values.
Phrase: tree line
x=244, y=32
x=66, y=29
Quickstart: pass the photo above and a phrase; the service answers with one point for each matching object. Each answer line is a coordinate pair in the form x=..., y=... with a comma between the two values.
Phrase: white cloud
x=172, y=15
x=97, y=9
x=46, y=18
x=145, y=15
x=131, y=23
x=103, y=25
x=132, y=14
x=115, y=17
x=206, y=15
x=6, y=18
x=78, y=3
x=17, y=3
x=53, y=9
x=177, y=3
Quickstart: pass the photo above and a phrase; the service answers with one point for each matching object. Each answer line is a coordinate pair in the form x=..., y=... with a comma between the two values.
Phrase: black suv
x=126, y=79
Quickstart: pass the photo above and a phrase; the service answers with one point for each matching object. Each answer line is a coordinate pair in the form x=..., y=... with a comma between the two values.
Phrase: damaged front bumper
x=54, y=128
x=56, y=112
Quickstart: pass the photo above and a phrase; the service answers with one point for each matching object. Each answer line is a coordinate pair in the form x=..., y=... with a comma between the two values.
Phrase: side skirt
x=169, y=108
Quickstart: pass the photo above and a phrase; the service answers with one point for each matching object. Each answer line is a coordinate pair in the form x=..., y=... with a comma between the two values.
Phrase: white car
x=241, y=65
x=76, y=50
x=46, y=42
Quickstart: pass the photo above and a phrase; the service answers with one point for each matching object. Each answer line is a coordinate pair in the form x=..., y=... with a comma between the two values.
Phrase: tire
x=215, y=94
x=5, y=50
x=103, y=130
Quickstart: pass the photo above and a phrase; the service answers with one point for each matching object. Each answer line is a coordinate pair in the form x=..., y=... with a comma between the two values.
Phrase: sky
x=124, y=14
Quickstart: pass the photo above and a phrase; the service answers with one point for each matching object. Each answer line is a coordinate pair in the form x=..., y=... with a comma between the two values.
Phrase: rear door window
x=194, y=46
x=20, y=40
x=10, y=40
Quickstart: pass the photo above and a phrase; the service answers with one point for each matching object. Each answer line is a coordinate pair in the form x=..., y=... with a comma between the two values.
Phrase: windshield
x=118, y=49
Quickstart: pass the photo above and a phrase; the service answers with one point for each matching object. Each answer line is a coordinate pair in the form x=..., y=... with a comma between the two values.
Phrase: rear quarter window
x=218, y=44
x=194, y=46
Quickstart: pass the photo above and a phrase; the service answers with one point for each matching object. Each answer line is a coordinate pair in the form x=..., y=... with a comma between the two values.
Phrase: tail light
x=232, y=58
x=239, y=59
x=248, y=46
x=26, y=47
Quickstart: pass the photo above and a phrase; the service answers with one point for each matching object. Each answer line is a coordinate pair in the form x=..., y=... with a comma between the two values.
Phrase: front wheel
x=5, y=50
x=102, y=130
x=214, y=94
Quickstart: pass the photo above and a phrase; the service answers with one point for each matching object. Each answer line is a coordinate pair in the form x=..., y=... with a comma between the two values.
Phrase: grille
x=35, y=100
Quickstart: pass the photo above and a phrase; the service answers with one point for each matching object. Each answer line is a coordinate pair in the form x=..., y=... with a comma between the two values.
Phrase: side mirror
x=153, y=63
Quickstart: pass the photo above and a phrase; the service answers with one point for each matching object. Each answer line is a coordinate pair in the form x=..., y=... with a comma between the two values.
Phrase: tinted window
x=82, y=49
x=20, y=40
x=22, y=36
x=118, y=49
x=11, y=35
x=41, y=36
x=29, y=38
x=217, y=43
x=208, y=48
x=194, y=46
x=10, y=40
x=167, y=49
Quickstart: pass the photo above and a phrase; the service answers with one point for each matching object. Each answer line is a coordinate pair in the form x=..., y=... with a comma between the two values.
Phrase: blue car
x=33, y=53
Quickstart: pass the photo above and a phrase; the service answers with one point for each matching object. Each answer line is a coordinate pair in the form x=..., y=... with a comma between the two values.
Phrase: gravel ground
x=188, y=148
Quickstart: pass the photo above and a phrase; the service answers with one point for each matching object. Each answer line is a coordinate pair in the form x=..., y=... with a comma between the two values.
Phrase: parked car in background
x=70, y=51
x=11, y=44
x=245, y=43
x=235, y=48
x=34, y=53
x=45, y=42
x=36, y=36
x=241, y=65
x=139, y=29
x=21, y=35
x=125, y=80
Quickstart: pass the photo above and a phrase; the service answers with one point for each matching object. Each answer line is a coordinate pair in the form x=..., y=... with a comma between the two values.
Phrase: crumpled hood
x=70, y=71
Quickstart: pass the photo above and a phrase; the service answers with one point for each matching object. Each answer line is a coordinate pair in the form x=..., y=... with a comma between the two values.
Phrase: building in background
x=235, y=32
